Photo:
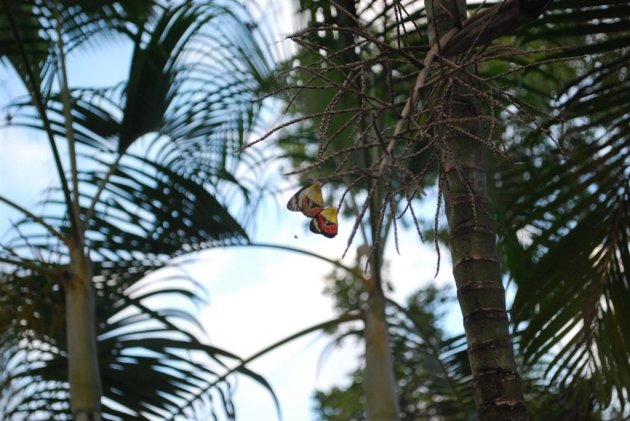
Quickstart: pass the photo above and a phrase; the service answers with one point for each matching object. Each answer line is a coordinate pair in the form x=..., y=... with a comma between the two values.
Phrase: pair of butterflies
x=310, y=202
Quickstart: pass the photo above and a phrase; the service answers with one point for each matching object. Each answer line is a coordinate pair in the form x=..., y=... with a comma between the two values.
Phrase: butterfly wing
x=314, y=226
x=325, y=223
x=308, y=200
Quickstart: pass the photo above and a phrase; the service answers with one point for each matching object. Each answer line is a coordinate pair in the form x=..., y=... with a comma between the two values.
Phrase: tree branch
x=368, y=283
x=64, y=91
x=101, y=187
x=35, y=218
x=28, y=264
x=344, y=318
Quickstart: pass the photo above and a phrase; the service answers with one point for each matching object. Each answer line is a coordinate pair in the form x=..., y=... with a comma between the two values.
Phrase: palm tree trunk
x=83, y=368
x=496, y=382
x=379, y=383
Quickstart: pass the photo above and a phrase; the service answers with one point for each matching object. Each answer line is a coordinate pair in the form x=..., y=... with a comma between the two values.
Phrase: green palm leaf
x=150, y=363
x=570, y=208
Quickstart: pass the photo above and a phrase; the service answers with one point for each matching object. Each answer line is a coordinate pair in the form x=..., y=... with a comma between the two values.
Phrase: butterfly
x=310, y=202
x=325, y=223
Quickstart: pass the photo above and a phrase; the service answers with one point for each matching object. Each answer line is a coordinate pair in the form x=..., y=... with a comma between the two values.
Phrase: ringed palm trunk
x=472, y=235
x=83, y=367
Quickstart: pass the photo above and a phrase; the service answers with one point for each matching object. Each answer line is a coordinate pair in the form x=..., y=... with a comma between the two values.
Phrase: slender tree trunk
x=379, y=381
x=496, y=382
x=83, y=368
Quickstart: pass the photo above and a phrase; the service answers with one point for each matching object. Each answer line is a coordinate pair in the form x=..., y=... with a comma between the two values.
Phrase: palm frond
x=152, y=358
x=566, y=206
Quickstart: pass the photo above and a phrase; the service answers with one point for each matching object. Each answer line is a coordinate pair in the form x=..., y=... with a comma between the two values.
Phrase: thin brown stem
x=68, y=122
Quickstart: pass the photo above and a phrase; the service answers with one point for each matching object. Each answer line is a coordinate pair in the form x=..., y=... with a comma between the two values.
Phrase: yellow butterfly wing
x=325, y=223
x=308, y=200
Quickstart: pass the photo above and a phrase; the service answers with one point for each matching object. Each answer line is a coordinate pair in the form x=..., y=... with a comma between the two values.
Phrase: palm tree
x=380, y=136
x=124, y=208
x=464, y=171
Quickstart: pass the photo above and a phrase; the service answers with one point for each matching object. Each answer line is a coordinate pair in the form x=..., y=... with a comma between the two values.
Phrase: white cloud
x=25, y=171
x=266, y=302
x=26, y=163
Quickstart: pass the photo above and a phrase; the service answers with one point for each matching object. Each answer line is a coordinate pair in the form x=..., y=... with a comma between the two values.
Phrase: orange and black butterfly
x=325, y=223
x=310, y=202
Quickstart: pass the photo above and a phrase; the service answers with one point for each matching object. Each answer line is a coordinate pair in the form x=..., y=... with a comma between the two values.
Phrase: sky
x=257, y=296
